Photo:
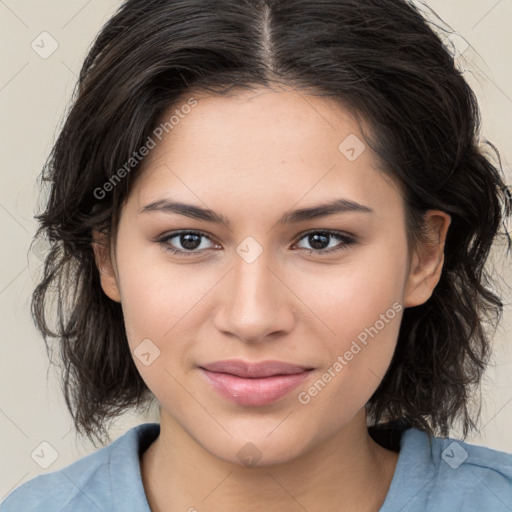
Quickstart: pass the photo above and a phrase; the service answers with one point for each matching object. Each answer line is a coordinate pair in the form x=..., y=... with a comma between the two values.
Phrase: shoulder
x=67, y=486
x=443, y=473
x=87, y=484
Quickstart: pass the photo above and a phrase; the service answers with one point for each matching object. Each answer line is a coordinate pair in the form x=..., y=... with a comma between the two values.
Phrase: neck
x=348, y=471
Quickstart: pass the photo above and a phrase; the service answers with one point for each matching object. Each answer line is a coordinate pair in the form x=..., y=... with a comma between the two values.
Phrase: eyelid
x=337, y=232
x=163, y=239
x=345, y=239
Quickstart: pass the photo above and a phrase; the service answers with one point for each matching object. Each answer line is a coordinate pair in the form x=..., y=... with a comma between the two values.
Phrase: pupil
x=316, y=243
x=187, y=243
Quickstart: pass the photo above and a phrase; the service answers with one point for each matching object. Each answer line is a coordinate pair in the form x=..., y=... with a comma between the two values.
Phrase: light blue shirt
x=435, y=475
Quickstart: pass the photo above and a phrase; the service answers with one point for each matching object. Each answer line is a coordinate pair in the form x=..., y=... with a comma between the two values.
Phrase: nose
x=256, y=302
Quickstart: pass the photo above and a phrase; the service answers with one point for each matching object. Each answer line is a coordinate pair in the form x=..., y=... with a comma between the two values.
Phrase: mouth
x=254, y=384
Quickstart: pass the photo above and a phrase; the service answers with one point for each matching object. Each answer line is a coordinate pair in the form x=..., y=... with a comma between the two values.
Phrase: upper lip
x=254, y=370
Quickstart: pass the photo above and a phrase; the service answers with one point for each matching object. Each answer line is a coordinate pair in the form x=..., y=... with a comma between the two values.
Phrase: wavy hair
x=381, y=60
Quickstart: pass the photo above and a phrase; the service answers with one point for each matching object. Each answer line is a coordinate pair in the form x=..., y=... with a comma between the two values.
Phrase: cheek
x=156, y=295
x=360, y=308
x=159, y=301
x=352, y=296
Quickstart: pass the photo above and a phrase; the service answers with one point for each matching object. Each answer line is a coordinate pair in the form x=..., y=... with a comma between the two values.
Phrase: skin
x=251, y=158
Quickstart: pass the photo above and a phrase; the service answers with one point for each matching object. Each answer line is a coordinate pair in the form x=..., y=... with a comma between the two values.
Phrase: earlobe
x=427, y=260
x=106, y=266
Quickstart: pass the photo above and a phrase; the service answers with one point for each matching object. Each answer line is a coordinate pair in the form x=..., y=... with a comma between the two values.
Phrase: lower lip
x=254, y=392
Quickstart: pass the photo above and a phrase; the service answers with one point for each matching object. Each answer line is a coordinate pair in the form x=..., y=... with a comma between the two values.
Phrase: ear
x=427, y=260
x=105, y=262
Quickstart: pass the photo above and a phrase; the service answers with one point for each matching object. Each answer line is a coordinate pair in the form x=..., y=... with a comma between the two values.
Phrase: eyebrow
x=291, y=217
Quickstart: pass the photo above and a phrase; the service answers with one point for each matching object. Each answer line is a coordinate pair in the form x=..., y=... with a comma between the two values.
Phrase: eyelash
x=344, y=239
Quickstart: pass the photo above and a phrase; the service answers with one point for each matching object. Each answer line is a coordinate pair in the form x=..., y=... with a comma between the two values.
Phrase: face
x=261, y=279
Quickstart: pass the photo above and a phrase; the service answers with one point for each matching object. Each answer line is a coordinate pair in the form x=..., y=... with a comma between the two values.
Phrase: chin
x=259, y=455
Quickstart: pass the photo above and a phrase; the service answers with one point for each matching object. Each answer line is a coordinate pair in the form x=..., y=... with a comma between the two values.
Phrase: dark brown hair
x=381, y=60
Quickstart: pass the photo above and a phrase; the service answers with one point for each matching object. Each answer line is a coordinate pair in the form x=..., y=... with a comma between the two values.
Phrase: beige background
x=33, y=94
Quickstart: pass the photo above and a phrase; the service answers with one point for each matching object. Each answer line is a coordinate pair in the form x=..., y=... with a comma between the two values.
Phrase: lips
x=254, y=384
x=254, y=370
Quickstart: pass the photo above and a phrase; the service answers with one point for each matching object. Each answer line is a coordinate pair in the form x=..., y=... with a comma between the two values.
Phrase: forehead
x=262, y=146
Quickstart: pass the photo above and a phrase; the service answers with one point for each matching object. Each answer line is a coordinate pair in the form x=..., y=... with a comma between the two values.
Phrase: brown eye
x=185, y=243
x=321, y=242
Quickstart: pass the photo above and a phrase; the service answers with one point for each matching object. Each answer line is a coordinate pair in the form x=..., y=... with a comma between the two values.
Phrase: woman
x=272, y=217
